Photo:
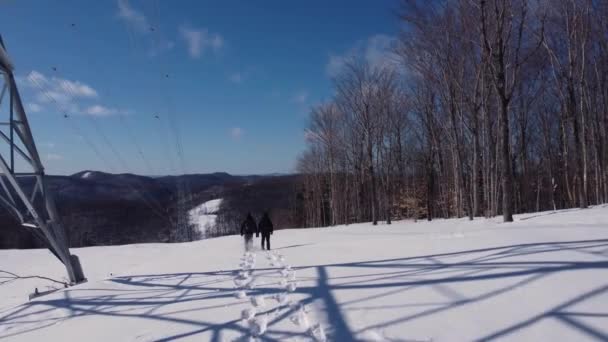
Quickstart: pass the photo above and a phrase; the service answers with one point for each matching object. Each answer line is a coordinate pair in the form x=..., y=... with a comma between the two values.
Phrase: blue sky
x=231, y=82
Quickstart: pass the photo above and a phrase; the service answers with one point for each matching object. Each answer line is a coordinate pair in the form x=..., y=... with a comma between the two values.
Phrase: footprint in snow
x=241, y=282
x=258, y=325
x=300, y=318
x=297, y=306
x=248, y=314
x=291, y=287
x=274, y=313
x=272, y=260
x=318, y=333
x=281, y=298
x=251, y=285
x=258, y=301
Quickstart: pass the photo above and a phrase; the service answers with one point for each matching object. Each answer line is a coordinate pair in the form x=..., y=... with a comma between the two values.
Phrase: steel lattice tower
x=20, y=164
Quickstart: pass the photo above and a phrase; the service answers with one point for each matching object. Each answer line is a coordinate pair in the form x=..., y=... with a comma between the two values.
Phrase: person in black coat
x=266, y=228
x=248, y=228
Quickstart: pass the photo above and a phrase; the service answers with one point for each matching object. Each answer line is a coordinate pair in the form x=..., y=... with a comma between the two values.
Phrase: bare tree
x=503, y=26
x=499, y=107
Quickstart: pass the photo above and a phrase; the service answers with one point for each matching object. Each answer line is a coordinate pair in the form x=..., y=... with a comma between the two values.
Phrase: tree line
x=483, y=108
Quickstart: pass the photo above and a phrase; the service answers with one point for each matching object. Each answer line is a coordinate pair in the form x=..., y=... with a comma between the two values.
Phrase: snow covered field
x=542, y=278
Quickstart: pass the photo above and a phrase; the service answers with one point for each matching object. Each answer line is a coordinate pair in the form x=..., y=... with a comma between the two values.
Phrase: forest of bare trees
x=491, y=107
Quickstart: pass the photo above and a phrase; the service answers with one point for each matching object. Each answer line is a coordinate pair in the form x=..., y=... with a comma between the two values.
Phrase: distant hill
x=99, y=208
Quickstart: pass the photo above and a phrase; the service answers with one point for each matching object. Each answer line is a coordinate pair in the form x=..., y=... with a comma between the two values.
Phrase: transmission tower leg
x=34, y=207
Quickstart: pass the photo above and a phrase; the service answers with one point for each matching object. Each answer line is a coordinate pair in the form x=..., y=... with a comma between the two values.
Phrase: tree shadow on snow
x=292, y=246
x=374, y=287
x=547, y=213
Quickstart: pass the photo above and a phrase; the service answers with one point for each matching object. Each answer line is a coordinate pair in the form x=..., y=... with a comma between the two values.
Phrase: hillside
x=100, y=208
x=542, y=277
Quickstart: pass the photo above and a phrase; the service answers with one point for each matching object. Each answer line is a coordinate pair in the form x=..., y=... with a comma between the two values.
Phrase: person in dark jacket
x=248, y=228
x=266, y=228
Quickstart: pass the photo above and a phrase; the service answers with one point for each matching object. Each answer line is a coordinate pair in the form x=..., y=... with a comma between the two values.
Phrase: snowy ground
x=542, y=278
x=204, y=216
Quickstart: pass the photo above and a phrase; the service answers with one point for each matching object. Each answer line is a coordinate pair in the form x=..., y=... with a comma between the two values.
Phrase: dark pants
x=266, y=237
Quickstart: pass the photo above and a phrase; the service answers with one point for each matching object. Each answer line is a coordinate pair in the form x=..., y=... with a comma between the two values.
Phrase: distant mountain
x=199, y=182
x=99, y=208
x=105, y=186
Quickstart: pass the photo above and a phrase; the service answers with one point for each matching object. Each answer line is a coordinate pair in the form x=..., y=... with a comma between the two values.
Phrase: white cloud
x=49, y=96
x=53, y=157
x=36, y=77
x=70, y=96
x=62, y=90
x=132, y=16
x=236, y=133
x=236, y=77
x=201, y=40
x=48, y=144
x=76, y=88
x=300, y=97
x=376, y=51
x=99, y=110
x=33, y=107
x=137, y=24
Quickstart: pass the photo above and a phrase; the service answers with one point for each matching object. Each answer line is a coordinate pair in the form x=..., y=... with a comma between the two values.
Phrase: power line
x=82, y=134
x=108, y=143
x=133, y=47
x=184, y=190
x=130, y=134
x=157, y=207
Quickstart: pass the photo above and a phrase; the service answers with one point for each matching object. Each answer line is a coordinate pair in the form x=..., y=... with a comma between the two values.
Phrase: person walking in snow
x=248, y=228
x=266, y=228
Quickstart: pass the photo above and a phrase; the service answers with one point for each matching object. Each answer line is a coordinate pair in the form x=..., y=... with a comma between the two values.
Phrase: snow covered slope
x=204, y=216
x=541, y=278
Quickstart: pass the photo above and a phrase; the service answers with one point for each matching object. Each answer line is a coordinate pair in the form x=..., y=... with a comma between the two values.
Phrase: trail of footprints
x=263, y=308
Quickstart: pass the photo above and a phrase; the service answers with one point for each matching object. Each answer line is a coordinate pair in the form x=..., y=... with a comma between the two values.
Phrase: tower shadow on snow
x=157, y=297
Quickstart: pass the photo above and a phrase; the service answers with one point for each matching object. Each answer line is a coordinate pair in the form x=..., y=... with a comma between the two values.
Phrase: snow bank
x=540, y=278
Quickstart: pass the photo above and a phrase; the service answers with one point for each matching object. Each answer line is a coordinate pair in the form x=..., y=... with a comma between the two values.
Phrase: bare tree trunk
x=372, y=175
x=579, y=150
x=505, y=154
